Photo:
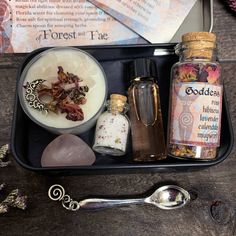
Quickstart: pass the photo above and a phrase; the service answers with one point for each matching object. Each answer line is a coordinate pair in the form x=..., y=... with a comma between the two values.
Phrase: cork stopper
x=198, y=44
x=117, y=102
x=196, y=36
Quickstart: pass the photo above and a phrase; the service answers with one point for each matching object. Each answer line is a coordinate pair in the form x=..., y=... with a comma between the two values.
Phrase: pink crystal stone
x=67, y=150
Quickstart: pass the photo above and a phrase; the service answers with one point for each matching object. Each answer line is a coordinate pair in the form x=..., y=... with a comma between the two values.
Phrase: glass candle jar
x=63, y=89
x=195, y=99
x=112, y=128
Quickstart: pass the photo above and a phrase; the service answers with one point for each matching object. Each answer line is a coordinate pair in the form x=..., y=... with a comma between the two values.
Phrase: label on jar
x=196, y=114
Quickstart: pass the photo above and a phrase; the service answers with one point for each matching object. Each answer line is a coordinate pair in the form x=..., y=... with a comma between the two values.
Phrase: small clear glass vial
x=148, y=140
x=195, y=99
x=112, y=129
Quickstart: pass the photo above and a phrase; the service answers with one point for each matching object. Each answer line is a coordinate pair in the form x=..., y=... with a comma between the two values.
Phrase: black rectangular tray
x=28, y=140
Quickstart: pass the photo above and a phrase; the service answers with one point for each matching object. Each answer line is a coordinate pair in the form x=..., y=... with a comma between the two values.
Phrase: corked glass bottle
x=195, y=99
x=145, y=112
x=112, y=129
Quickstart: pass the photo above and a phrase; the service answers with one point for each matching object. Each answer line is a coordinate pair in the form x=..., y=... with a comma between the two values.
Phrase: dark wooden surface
x=44, y=217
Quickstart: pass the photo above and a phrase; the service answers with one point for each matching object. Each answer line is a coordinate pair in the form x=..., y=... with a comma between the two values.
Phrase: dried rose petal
x=74, y=112
x=62, y=77
x=213, y=74
x=186, y=73
x=66, y=95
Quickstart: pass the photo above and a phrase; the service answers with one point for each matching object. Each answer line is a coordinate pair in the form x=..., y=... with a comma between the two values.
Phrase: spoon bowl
x=169, y=197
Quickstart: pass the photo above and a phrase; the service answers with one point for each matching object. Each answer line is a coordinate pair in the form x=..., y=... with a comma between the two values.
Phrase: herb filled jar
x=195, y=99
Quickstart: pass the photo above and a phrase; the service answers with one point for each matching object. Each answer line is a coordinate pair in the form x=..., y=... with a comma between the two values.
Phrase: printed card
x=155, y=20
x=26, y=25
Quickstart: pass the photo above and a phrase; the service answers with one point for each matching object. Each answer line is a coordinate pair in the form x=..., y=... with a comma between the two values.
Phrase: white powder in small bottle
x=112, y=128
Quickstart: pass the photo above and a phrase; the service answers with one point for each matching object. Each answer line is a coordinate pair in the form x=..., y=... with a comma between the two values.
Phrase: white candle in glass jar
x=45, y=66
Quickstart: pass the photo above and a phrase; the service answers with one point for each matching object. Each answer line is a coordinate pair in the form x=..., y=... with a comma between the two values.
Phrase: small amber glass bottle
x=195, y=99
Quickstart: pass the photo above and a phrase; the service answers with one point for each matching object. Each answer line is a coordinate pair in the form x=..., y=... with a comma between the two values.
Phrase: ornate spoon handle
x=57, y=193
x=100, y=203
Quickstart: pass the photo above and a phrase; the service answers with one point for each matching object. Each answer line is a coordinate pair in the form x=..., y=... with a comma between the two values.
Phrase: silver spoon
x=166, y=197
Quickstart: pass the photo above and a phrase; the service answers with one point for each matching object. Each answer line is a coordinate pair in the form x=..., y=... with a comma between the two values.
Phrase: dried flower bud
x=4, y=150
x=3, y=208
x=20, y=202
x=14, y=199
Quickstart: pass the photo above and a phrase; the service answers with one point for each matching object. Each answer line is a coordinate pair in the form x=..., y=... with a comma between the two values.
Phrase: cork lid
x=117, y=102
x=197, y=36
x=120, y=97
x=198, y=44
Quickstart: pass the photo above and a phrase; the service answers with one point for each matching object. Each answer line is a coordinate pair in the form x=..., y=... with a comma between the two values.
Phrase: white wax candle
x=76, y=62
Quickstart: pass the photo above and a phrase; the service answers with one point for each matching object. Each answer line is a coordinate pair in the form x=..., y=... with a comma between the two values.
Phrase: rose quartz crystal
x=67, y=150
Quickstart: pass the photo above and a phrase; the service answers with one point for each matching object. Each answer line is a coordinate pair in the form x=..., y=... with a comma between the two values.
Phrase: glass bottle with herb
x=112, y=127
x=195, y=99
x=147, y=132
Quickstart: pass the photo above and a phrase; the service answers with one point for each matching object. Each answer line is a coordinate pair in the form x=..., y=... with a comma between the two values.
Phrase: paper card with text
x=26, y=25
x=155, y=20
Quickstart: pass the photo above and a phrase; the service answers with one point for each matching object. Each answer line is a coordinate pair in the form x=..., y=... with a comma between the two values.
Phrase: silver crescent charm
x=31, y=95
